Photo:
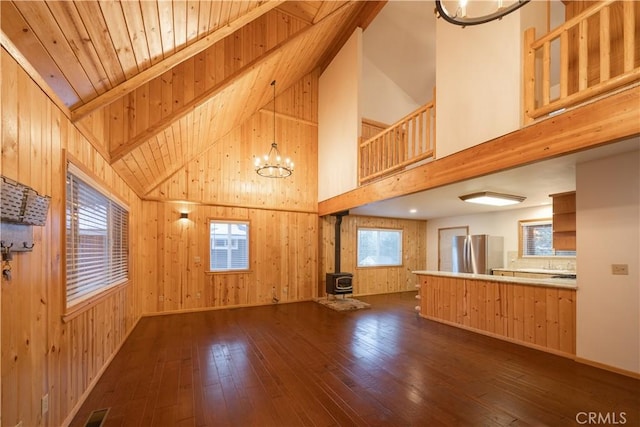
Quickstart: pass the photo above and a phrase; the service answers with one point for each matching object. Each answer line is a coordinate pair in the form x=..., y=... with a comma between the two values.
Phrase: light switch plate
x=620, y=269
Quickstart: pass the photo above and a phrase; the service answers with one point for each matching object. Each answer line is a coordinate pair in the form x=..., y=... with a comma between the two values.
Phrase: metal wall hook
x=6, y=251
x=24, y=244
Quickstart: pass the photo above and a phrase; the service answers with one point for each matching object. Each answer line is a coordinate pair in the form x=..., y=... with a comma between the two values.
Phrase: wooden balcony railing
x=408, y=141
x=588, y=56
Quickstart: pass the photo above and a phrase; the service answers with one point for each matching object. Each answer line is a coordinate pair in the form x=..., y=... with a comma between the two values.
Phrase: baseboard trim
x=609, y=368
x=74, y=411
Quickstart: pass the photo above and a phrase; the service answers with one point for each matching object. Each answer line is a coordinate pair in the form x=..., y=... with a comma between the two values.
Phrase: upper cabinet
x=564, y=221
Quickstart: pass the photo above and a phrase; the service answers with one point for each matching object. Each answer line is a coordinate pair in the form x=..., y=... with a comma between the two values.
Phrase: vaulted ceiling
x=147, y=80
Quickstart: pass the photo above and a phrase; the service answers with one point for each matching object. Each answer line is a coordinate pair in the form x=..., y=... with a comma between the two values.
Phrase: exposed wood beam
x=609, y=120
x=135, y=142
x=170, y=62
x=289, y=117
x=13, y=51
x=130, y=145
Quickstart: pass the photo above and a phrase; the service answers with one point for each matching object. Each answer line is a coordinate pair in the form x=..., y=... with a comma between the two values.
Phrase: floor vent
x=96, y=418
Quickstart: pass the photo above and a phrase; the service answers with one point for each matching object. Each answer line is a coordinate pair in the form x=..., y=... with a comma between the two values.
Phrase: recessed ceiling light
x=413, y=210
x=492, y=199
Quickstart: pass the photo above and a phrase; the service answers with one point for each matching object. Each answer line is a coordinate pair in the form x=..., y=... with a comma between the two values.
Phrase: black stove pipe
x=337, y=238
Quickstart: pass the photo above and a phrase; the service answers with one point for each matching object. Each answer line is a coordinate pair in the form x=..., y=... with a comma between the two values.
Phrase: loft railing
x=588, y=56
x=408, y=141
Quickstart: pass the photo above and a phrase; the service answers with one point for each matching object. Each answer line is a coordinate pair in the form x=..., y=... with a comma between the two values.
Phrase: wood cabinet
x=535, y=316
x=564, y=221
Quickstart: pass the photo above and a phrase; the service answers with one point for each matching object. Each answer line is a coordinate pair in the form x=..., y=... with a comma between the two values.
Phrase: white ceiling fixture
x=492, y=199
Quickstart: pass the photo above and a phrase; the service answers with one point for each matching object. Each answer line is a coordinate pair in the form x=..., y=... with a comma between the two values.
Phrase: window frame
x=232, y=246
x=75, y=306
x=532, y=222
x=399, y=231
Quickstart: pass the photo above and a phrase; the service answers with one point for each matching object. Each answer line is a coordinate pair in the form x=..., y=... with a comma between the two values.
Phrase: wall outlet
x=160, y=298
x=196, y=259
x=620, y=269
x=45, y=404
x=198, y=295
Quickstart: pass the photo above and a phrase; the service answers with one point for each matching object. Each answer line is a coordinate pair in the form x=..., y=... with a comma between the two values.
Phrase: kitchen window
x=229, y=245
x=97, y=238
x=536, y=239
x=379, y=247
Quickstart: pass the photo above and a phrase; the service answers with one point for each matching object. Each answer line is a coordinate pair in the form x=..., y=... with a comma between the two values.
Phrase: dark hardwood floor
x=304, y=364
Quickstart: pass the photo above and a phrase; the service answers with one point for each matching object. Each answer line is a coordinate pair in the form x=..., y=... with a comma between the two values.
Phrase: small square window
x=229, y=245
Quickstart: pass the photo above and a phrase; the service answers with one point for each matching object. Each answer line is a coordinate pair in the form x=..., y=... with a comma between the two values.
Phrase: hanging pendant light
x=466, y=12
x=272, y=165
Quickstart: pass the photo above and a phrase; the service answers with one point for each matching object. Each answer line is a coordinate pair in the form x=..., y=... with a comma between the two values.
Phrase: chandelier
x=469, y=12
x=271, y=165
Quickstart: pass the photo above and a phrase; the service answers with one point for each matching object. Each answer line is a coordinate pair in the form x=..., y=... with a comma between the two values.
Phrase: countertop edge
x=570, y=284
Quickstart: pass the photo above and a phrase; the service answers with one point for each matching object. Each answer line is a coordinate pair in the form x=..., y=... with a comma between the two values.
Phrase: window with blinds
x=97, y=234
x=536, y=239
x=229, y=245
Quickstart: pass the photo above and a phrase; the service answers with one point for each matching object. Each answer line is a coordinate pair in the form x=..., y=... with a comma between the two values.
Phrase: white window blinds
x=97, y=232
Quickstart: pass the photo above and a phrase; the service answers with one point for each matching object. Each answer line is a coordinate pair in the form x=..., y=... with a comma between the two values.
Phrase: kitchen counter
x=536, y=270
x=535, y=312
x=545, y=282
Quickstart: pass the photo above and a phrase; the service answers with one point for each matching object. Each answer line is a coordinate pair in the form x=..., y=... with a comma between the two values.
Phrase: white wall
x=478, y=79
x=339, y=120
x=381, y=98
x=608, y=224
x=500, y=223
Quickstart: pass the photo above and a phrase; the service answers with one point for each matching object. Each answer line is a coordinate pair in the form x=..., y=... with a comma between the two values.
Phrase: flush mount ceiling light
x=469, y=12
x=492, y=199
x=271, y=165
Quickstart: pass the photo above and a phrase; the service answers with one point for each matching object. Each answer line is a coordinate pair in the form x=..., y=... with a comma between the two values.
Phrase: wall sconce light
x=184, y=215
x=492, y=199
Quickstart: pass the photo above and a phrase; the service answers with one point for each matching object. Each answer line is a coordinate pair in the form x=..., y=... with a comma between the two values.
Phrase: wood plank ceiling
x=152, y=83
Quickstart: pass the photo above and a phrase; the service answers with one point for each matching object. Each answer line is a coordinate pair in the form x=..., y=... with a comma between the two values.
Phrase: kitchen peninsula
x=538, y=313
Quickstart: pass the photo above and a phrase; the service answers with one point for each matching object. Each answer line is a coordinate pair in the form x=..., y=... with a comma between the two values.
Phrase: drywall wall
x=607, y=219
x=501, y=223
x=381, y=98
x=339, y=120
x=478, y=79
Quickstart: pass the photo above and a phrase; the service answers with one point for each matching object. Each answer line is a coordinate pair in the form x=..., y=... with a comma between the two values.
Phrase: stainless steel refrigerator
x=477, y=254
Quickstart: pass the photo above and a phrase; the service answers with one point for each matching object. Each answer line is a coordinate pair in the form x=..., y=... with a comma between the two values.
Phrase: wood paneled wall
x=40, y=353
x=224, y=174
x=373, y=280
x=283, y=258
x=536, y=316
x=147, y=106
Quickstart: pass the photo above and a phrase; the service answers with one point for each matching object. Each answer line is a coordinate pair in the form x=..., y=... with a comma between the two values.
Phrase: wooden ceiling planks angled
x=170, y=61
x=287, y=62
x=156, y=82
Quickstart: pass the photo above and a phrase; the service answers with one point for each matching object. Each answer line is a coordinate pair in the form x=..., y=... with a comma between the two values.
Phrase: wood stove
x=339, y=283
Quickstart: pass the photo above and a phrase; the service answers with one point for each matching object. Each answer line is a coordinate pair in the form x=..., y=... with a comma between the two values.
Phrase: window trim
x=249, y=245
x=84, y=303
x=536, y=221
x=399, y=230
